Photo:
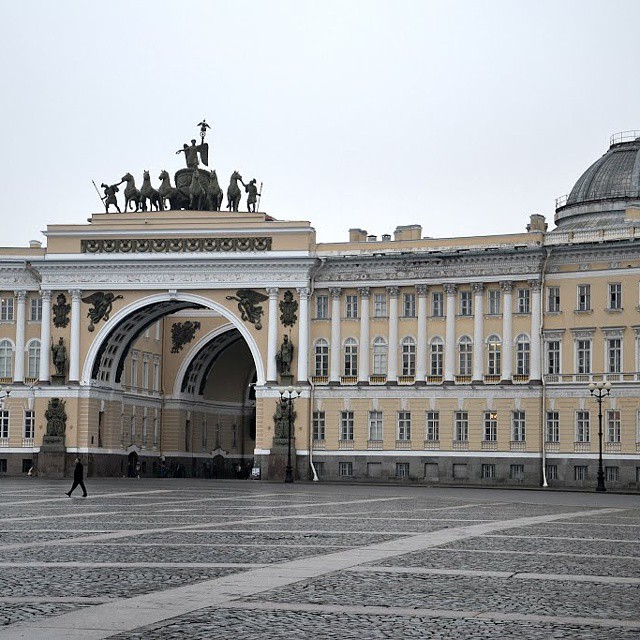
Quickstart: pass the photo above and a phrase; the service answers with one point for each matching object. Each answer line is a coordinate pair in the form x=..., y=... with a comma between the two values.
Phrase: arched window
x=523, y=355
x=408, y=356
x=33, y=359
x=465, y=356
x=350, y=357
x=437, y=355
x=379, y=357
x=6, y=351
x=494, y=367
x=321, y=349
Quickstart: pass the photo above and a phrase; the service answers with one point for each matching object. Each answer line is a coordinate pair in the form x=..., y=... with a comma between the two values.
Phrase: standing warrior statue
x=252, y=198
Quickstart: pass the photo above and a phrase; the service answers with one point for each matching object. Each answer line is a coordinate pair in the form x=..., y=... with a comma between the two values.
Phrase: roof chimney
x=357, y=235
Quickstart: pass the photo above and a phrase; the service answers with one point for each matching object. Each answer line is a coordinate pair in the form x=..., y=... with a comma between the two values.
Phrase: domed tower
x=606, y=190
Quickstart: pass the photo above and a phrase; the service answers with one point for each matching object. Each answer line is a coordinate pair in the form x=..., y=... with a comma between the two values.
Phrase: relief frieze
x=176, y=245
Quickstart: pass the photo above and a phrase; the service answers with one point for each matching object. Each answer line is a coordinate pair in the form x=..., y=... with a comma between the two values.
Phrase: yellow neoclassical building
x=156, y=337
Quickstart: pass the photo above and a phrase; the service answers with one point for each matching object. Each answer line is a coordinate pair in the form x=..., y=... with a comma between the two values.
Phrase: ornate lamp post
x=600, y=390
x=289, y=398
x=4, y=395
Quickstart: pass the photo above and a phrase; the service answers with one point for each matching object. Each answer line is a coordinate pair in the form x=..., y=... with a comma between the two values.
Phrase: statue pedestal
x=57, y=379
x=278, y=459
x=286, y=379
x=51, y=460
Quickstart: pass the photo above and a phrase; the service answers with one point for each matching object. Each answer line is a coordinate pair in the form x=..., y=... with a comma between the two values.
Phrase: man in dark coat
x=78, y=479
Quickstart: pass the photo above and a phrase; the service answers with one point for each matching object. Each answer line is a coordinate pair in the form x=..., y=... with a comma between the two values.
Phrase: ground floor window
x=612, y=474
x=460, y=471
x=27, y=463
x=402, y=469
x=488, y=471
x=517, y=472
x=3, y=465
x=580, y=472
x=552, y=471
x=431, y=471
x=346, y=469
x=319, y=466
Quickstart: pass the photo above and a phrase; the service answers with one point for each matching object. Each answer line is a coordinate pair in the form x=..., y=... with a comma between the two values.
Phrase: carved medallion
x=102, y=304
x=250, y=310
x=182, y=333
x=61, y=311
x=288, y=308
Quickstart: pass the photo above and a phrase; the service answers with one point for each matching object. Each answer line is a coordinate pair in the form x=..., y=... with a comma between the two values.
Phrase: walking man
x=78, y=479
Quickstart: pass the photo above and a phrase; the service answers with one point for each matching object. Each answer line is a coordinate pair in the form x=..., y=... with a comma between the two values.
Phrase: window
x=156, y=373
x=433, y=425
x=409, y=305
x=404, y=425
x=584, y=297
x=461, y=426
x=35, y=309
x=613, y=425
x=518, y=427
x=553, y=299
x=322, y=307
x=351, y=307
x=615, y=296
x=145, y=428
x=408, y=356
x=321, y=350
x=6, y=309
x=33, y=359
x=553, y=356
x=402, y=469
x=3, y=465
x=493, y=356
x=614, y=355
x=379, y=305
x=29, y=424
x=134, y=368
x=379, y=357
x=431, y=471
x=465, y=303
x=437, y=304
x=580, y=472
x=523, y=350
x=465, y=355
x=4, y=423
x=553, y=426
x=582, y=426
x=516, y=472
x=350, y=357
x=345, y=469
x=437, y=356
x=145, y=371
x=27, y=465
x=319, y=425
x=460, y=471
x=488, y=471
x=490, y=433
x=320, y=470
x=612, y=474
x=6, y=351
x=551, y=471
x=583, y=356
x=346, y=425
x=524, y=301
x=375, y=425
x=494, y=302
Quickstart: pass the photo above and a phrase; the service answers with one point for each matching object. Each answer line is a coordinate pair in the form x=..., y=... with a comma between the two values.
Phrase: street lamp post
x=600, y=390
x=290, y=391
x=4, y=395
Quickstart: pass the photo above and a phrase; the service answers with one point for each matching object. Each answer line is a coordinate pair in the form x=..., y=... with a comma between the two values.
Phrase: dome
x=608, y=187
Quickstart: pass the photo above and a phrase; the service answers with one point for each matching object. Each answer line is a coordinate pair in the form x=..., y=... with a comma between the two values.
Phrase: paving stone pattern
x=162, y=559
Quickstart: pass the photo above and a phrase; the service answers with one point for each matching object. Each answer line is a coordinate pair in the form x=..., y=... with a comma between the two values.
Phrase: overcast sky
x=462, y=116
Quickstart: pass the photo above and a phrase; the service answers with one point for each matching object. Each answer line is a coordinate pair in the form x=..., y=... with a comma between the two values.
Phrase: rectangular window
x=524, y=301
x=27, y=465
x=488, y=471
x=319, y=423
x=553, y=426
x=580, y=472
x=553, y=299
x=320, y=470
x=346, y=425
x=584, y=297
x=460, y=471
x=345, y=469
x=145, y=372
x=156, y=373
x=375, y=425
x=321, y=353
x=3, y=465
x=490, y=433
x=461, y=426
x=433, y=425
x=4, y=423
x=582, y=426
x=551, y=471
x=465, y=303
x=29, y=423
x=379, y=305
x=6, y=309
x=612, y=474
x=351, y=307
x=494, y=302
x=583, y=356
x=516, y=472
x=322, y=307
x=614, y=355
x=404, y=425
x=35, y=309
x=553, y=357
x=518, y=427
x=402, y=469
x=409, y=305
x=615, y=295
x=613, y=425
x=437, y=304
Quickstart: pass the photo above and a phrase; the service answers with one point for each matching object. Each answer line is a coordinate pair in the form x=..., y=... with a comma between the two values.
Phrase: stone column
x=536, y=319
x=303, y=335
x=335, y=348
x=507, y=332
x=74, y=347
x=450, y=334
x=392, y=363
x=21, y=318
x=45, y=337
x=272, y=335
x=478, y=332
x=421, y=349
x=363, y=360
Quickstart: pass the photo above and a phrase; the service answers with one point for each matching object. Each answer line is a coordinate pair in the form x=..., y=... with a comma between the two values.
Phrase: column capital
x=422, y=289
x=478, y=287
x=335, y=292
x=535, y=285
x=450, y=289
x=272, y=292
x=507, y=286
x=45, y=294
x=393, y=291
x=21, y=295
x=303, y=292
x=75, y=294
x=364, y=292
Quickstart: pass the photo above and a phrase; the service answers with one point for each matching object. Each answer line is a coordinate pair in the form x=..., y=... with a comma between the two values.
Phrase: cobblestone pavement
x=162, y=559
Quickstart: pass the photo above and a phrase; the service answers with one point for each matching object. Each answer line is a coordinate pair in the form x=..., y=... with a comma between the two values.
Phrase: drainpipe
x=543, y=395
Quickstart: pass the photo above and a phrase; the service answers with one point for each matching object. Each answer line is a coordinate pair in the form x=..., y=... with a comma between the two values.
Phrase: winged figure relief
x=249, y=305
